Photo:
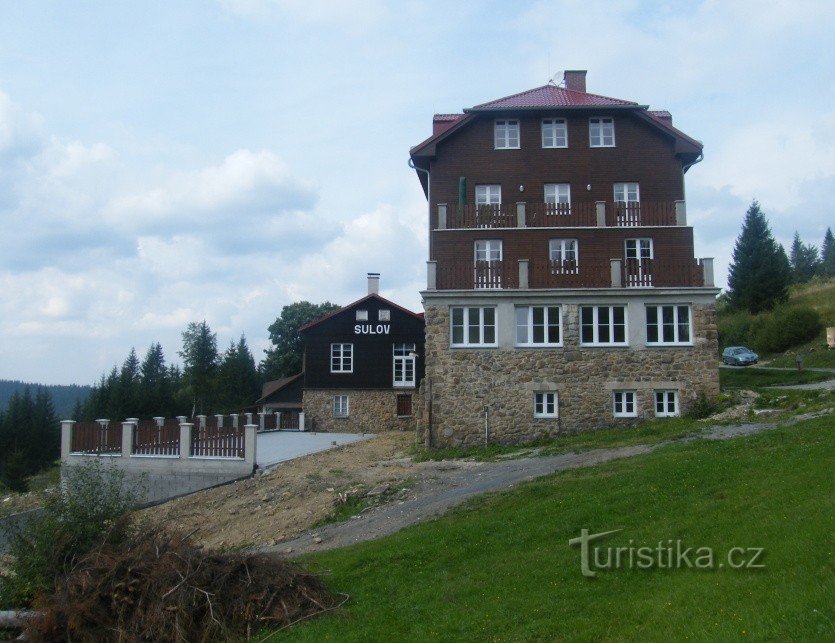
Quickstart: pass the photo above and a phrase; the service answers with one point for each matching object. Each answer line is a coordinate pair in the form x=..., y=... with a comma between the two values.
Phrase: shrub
x=701, y=408
x=89, y=508
x=772, y=332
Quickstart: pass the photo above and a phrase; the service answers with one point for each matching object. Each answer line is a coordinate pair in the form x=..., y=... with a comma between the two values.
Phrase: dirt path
x=459, y=481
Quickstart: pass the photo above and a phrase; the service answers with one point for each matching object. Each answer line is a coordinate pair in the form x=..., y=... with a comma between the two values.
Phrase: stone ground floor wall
x=505, y=379
x=368, y=411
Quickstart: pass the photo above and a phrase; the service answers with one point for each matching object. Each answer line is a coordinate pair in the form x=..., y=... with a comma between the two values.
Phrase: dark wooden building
x=562, y=289
x=362, y=366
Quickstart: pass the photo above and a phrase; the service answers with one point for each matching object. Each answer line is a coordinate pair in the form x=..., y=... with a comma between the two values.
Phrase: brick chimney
x=373, y=283
x=575, y=79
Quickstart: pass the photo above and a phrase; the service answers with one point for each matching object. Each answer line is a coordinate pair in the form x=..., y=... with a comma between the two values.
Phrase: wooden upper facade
x=558, y=188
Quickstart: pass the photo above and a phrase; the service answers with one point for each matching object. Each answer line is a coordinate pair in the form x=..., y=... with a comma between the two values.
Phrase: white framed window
x=627, y=193
x=546, y=404
x=384, y=314
x=538, y=326
x=404, y=365
x=603, y=325
x=362, y=315
x=342, y=358
x=488, y=195
x=507, y=134
x=340, y=406
x=601, y=132
x=558, y=198
x=487, y=259
x=564, y=256
x=472, y=326
x=669, y=325
x=666, y=404
x=624, y=404
x=638, y=268
x=554, y=132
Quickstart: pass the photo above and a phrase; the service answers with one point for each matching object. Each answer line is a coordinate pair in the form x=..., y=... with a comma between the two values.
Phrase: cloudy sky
x=165, y=162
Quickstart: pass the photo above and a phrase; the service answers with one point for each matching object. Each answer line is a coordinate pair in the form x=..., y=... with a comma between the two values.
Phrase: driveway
x=280, y=446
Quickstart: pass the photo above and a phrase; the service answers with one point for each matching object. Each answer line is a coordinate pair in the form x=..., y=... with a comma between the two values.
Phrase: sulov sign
x=370, y=329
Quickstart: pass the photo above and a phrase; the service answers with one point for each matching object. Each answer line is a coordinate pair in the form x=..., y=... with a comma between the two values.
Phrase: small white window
x=627, y=193
x=638, y=265
x=558, y=198
x=603, y=325
x=554, y=132
x=340, y=406
x=666, y=404
x=564, y=257
x=342, y=358
x=384, y=314
x=601, y=132
x=472, y=326
x=488, y=195
x=546, y=404
x=624, y=404
x=507, y=135
x=362, y=315
x=668, y=325
x=538, y=326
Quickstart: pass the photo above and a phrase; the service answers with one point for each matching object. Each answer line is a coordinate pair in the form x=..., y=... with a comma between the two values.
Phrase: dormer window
x=507, y=135
x=601, y=132
x=554, y=132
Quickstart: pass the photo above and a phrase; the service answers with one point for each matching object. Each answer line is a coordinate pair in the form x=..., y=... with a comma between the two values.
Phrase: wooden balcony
x=562, y=215
x=546, y=274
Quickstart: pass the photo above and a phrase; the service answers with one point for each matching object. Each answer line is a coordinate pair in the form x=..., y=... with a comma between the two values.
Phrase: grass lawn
x=500, y=568
x=818, y=358
x=751, y=377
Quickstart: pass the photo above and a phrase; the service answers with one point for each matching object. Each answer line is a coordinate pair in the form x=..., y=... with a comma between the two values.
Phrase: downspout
x=428, y=198
x=684, y=169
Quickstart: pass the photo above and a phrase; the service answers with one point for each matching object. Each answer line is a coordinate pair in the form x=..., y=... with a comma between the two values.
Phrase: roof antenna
x=553, y=79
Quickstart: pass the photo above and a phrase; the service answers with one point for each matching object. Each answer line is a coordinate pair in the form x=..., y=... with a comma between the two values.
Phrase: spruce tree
x=200, y=360
x=758, y=278
x=804, y=260
x=827, y=263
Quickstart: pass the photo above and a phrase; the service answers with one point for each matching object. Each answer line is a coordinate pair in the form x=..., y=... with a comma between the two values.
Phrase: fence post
x=66, y=437
x=442, y=216
x=616, y=272
x=707, y=270
x=600, y=212
x=159, y=420
x=128, y=427
x=219, y=417
x=520, y=215
x=523, y=273
x=181, y=418
x=250, y=441
x=301, y=421
x=249, y=418
x=278, y=420
x=261, y=416
x=681, y=213
x=202, y=420
x=185, y=439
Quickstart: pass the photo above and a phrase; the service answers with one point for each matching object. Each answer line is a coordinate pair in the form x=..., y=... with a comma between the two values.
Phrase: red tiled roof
x=552, y=96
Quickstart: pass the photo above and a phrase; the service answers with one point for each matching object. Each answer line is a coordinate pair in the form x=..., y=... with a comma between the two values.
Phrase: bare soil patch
x=287, y=501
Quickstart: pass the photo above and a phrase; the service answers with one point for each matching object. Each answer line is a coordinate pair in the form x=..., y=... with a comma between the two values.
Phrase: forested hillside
x=63, y=397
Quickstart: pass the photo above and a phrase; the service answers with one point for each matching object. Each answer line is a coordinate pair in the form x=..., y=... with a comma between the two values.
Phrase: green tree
x=155, y=393
x=238, y=380
x=759, y=274
x=804, y=260
x=200, y=360
x=286, y=355
x=827, y=263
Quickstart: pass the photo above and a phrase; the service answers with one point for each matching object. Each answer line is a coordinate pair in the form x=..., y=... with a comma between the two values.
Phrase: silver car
x=739, y=356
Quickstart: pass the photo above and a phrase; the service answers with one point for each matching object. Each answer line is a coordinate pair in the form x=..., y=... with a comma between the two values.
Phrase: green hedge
x=771, y=332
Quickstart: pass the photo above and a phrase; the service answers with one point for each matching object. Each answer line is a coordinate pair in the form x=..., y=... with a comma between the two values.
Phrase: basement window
x=340, y=406
x=666, y=404
x=624, y=405
x=546, y=404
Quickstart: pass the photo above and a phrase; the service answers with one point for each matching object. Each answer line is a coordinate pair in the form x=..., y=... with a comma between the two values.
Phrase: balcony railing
x=544, y=273
x=561, y=215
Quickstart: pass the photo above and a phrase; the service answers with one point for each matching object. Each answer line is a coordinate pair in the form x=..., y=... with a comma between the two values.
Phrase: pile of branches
x=162, y=587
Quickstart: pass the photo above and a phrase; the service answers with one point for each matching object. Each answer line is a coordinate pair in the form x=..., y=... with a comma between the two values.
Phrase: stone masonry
x=465, y=380
x=369, y=411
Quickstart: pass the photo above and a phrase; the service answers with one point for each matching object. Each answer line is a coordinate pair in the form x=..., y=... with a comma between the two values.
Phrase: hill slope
x=64, y=397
